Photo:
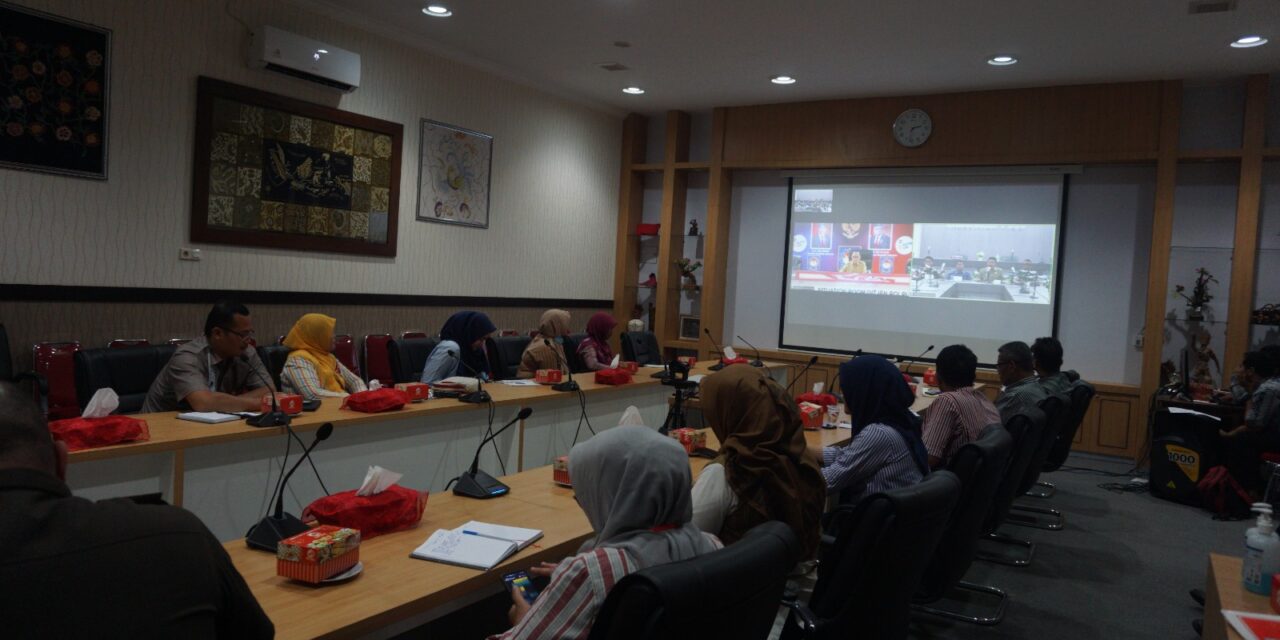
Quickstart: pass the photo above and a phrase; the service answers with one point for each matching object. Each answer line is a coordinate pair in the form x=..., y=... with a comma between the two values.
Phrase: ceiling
x=697, y=54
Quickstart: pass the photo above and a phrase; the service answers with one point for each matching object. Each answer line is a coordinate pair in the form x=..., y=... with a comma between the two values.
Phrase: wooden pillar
x=630, y=210
x=671, y=235
x=716, y=261
x=1244, y=257
x=1161, y=240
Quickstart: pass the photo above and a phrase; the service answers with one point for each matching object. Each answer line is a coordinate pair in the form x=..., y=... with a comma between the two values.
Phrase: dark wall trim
x=57, y=293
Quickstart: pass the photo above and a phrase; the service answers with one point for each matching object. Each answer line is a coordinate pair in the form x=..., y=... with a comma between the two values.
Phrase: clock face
x=912, y=128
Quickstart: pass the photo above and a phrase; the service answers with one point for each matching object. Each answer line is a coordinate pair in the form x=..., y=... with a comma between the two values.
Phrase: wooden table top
x=1224, y=590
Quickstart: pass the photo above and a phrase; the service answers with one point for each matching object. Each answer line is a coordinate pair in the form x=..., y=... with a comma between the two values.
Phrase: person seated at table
x=990, y=273
x=312, y=371
x=958, y=271
x=461, y=348
x=74, y=568
x=594, y=349
x=885, y=451
x=1046, y=356
x=1260, y=432
x=960, y=413
x=764, y=470
x=1016, y=367
x=220, y=371
x=853, y=263
x=553, y=327
x=633, y=485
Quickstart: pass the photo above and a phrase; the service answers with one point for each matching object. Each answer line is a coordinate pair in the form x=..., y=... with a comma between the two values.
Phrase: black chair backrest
x=1026, y=429
x=866, y=580
x=641, y=347
x=1081, y=396
x=6, y=357
x=571, y=342
x=980, y=467
x=129, y=372
x=408, y=357
x=1057, y=410
x=273, y=357
x=729, y=593
x=504, y=355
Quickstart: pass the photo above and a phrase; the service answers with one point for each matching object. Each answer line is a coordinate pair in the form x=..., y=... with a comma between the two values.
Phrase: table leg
x=179, y=464
x=520, y=449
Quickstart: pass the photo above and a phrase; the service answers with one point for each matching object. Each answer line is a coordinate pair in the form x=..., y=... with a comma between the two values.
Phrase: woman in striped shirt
x=311, y=370
x=633, y=484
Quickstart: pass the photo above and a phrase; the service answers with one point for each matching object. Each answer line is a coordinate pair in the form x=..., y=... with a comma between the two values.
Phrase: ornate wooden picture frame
x=273, y=171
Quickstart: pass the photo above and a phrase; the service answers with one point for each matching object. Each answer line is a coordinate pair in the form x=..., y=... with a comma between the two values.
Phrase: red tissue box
x=395, y=509
x=87, y=433
x=823, y=399
x=691, y=439
x=376, y=400
x=613, y=376
x=290, y=403
x=319, y=554
x=811, y=415
x=417, y=391
x=738, y=360
x=560, y=471
x=548, y=376
x=931, y=377
x=629, y=365
x=689, y=360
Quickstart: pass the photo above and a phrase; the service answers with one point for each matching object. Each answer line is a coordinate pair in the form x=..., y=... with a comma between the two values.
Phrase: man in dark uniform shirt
x=72, y=568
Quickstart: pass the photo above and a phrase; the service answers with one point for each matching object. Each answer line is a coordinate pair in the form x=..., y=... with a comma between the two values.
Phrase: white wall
x=554, y=187
x=1105, y=254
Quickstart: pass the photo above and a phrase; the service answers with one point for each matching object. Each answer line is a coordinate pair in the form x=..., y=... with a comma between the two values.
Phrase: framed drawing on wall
x=54, y=83
x=272, y=171
x=453, y=175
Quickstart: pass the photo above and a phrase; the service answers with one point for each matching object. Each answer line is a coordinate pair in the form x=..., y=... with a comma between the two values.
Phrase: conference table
x=396, y=593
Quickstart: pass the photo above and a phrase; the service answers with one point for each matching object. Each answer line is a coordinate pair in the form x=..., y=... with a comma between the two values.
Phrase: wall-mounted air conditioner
x=301, y=57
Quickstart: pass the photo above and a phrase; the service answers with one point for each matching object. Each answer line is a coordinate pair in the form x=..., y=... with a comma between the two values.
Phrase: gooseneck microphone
x=907, y=369
x=280, y=525
x=479, y=396
x=812, y=361
x=567, y=385
x=474, y=483
x=757, y=362
x=273, y=418
x=719, y=365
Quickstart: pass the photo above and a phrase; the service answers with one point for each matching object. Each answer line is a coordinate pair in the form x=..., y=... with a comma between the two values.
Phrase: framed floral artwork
x=54, y=82
x=453, y=175
x=273, y=171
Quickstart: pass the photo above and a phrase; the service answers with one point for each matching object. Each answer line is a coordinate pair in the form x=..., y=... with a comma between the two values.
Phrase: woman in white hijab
x=633, y=484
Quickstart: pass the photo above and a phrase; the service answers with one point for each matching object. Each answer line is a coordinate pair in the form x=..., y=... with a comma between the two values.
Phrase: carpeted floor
x=1121, y=567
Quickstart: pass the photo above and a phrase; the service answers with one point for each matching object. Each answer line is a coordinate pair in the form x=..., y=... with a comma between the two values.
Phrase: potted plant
x=687, y=269
x=1200, y=295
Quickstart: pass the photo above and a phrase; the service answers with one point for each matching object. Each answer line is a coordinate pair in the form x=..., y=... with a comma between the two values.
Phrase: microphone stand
x=474, y=483
x=812, y=361
x=907, y=369
x=719, y=365
x=273, y=418
x=757, y=362
x=479, y=396
x=280, y=525
x=567, y=385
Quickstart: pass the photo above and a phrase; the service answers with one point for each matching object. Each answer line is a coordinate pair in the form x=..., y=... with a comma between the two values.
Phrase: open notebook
x=478, y=545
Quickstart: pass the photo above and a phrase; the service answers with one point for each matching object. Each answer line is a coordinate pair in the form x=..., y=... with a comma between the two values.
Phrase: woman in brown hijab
x=552, y=328
x=764, y=471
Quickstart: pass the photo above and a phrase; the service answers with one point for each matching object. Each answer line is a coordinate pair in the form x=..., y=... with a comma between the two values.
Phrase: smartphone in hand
x=520, y=580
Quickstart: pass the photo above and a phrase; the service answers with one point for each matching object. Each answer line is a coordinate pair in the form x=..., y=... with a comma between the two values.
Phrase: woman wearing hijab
x=594, y=349
x=553, y=327
x=461, y=348
x=886, y=451
x=311, y=370
x=633, y=485
x=764, y=471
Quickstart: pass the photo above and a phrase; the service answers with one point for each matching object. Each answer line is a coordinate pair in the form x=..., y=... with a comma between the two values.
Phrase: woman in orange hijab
x=311, y=370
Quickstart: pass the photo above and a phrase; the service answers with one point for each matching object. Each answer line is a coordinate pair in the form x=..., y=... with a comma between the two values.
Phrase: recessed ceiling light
x=1002, y=60
x=322, y=51
x=1246, y=42
x=782, y=80
x=437, y=11
x=635, y=91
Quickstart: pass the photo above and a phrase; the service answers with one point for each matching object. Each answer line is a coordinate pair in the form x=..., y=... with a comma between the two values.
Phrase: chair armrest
x=804, y=618
x=41, y=383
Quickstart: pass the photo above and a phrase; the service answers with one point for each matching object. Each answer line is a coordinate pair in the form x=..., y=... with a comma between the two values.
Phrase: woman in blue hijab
x=461, y=349
x=886, y=451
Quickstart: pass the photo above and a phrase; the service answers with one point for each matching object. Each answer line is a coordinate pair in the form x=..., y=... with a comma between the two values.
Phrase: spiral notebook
x=478, y=545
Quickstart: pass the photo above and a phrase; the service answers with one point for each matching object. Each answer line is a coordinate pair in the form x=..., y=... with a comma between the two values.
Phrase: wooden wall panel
x=1115, y=414
x=1085, y=123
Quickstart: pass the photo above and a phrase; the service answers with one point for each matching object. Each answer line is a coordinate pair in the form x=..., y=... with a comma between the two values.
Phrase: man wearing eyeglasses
x=219, y=372
x=1016, y=367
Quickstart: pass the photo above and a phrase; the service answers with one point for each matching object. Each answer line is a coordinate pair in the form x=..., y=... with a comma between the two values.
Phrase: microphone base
x=757, y=363
x=568, y=385
x=479, y=485
x=270, y=530
x=475, y=397
x=718, y=366
x=270, y=419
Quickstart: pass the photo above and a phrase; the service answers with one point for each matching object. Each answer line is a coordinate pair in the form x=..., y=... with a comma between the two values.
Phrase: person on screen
x=814, y=265
x=885, y=451
x=1016, y=367
x=957, y=270
x=633, y=484
x=312, y=371
x=553, y=327
x=854, y=264
x=990, y=273
x=960, y=413
x=928, y=266
x=219, y=371
x=461, y=349
x=823, y=238
x=74, y=568
x=1046, y=354
x=880, y=238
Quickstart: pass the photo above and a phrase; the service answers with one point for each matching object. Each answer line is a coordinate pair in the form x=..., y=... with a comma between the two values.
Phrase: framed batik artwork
x=273, y=171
